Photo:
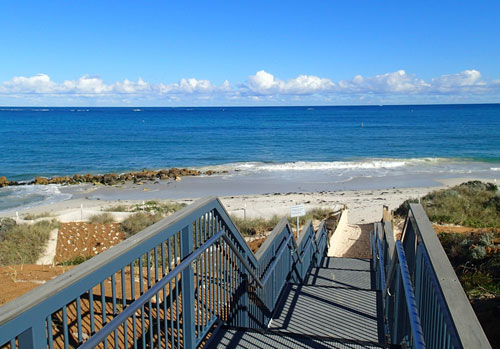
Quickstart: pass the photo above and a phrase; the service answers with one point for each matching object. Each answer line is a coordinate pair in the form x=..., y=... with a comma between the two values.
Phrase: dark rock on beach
x=137, y=177
x=3, y=182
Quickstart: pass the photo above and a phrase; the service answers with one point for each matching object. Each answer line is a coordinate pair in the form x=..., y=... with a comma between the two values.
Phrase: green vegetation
x=255, y=226
x=472, y=204
x=31, y=216
x=118, y=208
x=103, y=218
x=76, y=260
x=316, y=213
x=476, y=260
x=23, y=243
x=148, y=214
x=155, y=207
x=139, y=221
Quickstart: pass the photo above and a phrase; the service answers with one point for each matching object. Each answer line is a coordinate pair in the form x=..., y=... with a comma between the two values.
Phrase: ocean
x=346, y=143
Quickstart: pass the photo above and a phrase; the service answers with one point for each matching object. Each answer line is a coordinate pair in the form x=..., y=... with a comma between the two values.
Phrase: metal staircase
x=337, y=306
x=191, y=281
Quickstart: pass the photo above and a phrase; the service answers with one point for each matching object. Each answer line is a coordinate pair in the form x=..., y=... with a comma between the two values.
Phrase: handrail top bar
x=45, y=291
x=469, y=330
x=269, y=239
x=304, y=230
x=415, y=324
x=276, y=260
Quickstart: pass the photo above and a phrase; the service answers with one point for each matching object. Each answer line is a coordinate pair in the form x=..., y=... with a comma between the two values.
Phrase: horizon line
x=251, y=106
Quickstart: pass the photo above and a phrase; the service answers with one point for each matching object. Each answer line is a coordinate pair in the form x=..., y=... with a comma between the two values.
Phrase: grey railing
x=424, y=303
x=166, y=286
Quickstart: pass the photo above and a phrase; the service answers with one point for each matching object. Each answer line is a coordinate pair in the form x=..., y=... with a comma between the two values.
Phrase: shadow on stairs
x=336, y=307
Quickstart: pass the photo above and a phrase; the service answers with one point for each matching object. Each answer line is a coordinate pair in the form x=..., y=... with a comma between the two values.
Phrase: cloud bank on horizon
x=263, y=88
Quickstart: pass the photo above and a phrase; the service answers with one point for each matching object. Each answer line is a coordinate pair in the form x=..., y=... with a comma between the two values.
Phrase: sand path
x=48, y=255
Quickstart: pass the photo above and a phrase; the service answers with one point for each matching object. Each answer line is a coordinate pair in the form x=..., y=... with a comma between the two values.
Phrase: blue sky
x=248, y=53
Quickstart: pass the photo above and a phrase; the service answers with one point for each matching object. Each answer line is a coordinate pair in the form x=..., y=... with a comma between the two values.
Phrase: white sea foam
x=368, y=164
x=495, y=168
x=30, y=195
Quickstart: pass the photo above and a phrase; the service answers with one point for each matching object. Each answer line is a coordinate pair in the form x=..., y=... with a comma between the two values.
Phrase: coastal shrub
x=32, y=216
x=473, y=204
x=24, y=243
x=475, y=257
x=102, y=218
x=316, y=213
x=75, y=260
x=139, y=221
x=255, y=226
x=6, y=223
x=163, y=208
x=118, y=208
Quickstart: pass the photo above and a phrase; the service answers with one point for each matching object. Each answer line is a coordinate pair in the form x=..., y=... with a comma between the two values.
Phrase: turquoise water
x=347, y=141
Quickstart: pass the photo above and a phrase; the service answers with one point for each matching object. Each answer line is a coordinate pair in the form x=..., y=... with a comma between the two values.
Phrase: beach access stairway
x=191, y=281
x=337, y=306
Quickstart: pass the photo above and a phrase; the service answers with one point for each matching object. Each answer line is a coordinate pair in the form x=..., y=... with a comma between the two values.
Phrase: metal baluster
x=169, y=253
x=50, y=338
x=177, y=308
x=65, y=327
x=79, y=319
x=132, y=297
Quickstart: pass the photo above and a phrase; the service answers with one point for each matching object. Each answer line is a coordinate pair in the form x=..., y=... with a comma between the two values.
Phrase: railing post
x=188, y=334
x=244, y=295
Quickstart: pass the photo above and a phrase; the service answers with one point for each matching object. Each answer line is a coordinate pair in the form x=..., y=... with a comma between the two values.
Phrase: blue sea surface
x=65, y=141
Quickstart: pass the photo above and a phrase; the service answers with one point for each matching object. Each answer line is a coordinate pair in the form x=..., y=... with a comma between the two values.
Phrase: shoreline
x=365, y=205
x=245, y=179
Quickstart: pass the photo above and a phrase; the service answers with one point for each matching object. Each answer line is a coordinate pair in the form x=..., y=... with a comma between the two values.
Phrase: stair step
x=360, y=264
x=345, y=278
x=329, y=312
x=228, y=337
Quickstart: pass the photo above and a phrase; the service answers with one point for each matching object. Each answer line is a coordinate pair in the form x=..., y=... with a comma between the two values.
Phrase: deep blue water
x=65, y=141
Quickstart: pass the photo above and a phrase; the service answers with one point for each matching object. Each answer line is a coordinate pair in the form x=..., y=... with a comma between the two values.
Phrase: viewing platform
x=191, y=281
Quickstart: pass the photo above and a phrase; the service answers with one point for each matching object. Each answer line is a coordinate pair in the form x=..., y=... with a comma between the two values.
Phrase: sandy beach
x=365, y=205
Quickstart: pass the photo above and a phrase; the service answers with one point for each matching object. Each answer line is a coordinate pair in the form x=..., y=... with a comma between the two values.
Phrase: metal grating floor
x=251, y=339
x=336, y=307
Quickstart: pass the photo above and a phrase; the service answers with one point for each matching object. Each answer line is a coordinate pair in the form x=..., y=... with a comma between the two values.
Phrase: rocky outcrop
x=41, y=180
x=137, y=177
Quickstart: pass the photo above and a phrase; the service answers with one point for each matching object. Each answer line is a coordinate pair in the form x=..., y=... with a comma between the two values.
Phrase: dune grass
x=139, y=221
x=32, y=216
x=102, y=218
x=75, y=260
x=24, y=243
x=118, y=208
x=156, y=207
x=473, y=204
x=257, y=226
x=148, y=214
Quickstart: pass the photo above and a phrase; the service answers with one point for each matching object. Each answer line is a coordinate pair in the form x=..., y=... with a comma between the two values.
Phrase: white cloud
x=264, y=83
x=40, y=83
x=263, y=87
x=466, y=81
x=396, y=82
